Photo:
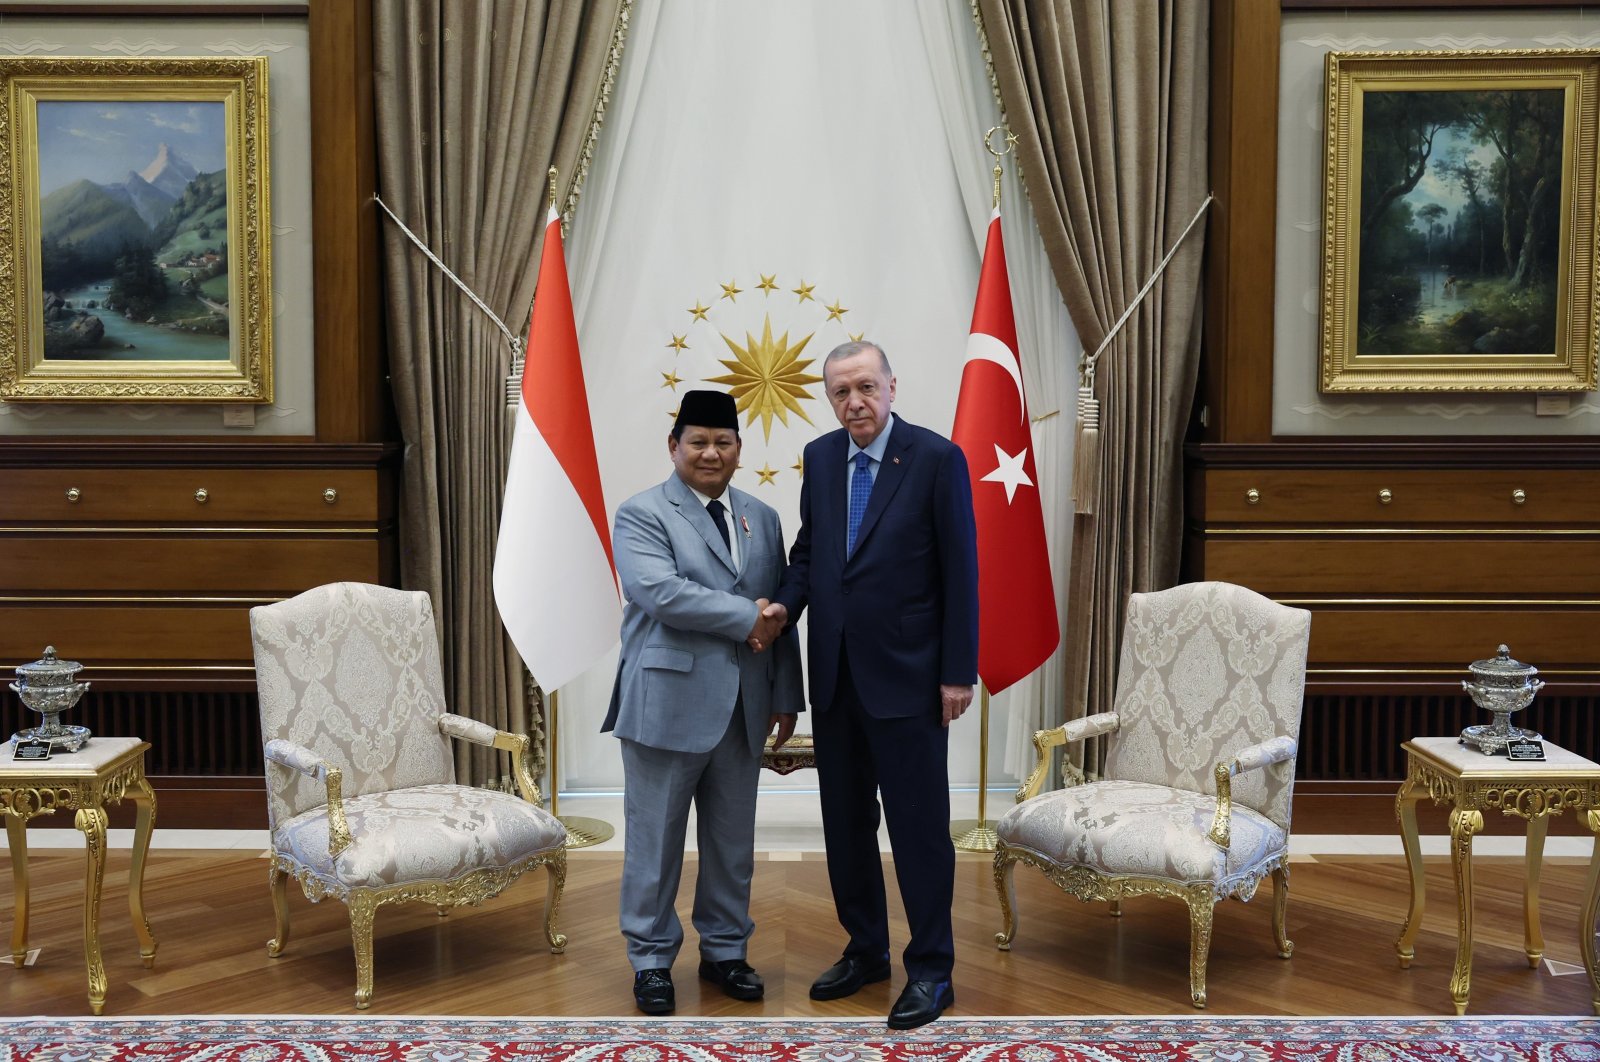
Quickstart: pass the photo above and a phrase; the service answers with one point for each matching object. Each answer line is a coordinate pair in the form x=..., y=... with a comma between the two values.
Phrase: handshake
x=770, y=618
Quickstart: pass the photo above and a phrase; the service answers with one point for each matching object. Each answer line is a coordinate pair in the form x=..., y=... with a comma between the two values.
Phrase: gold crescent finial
x=552, y=176
x=1009, y=144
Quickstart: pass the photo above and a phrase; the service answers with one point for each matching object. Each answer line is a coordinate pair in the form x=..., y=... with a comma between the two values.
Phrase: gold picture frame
x=1459, y=225
x=135, y=229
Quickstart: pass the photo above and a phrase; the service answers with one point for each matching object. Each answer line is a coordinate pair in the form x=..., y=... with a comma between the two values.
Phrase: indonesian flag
x=554, y=580
x=1017, y=628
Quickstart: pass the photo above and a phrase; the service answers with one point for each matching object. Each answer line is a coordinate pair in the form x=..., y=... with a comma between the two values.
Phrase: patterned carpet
x=273, y=1039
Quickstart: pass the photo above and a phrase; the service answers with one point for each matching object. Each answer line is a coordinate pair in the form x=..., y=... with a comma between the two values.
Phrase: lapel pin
x=897, y=460
x=744, y=521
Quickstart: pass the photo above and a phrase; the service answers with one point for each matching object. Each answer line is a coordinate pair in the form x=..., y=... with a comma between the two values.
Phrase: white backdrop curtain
x=812, y=144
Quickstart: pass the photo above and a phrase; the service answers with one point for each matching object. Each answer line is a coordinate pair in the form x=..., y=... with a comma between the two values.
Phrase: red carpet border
x=1117, y=1039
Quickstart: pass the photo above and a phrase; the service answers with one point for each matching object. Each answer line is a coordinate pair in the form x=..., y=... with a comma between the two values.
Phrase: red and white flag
x=555, y=582
x=1017, y=629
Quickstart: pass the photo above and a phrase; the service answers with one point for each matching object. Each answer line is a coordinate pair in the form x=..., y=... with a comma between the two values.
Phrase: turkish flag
x=1017, y=629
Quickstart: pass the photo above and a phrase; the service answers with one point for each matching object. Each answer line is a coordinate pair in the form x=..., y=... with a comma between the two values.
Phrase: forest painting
x=1456, y=195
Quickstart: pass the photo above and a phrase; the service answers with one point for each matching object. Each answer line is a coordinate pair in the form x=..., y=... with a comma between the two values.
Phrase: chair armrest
x=1065, y=734
x=459, y=726
x=286, y=753
x=1249, y=758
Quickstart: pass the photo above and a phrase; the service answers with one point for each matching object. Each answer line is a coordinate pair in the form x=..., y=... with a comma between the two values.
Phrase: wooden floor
x=211, y=916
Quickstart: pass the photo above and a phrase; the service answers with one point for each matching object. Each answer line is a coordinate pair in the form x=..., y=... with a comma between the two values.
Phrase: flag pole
x=581, y=830
x=977, y=835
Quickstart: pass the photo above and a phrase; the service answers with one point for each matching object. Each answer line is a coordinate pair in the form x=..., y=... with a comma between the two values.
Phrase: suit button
x=847, y=591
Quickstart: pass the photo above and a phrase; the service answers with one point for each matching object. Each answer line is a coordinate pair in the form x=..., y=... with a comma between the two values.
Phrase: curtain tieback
x=1086, y=445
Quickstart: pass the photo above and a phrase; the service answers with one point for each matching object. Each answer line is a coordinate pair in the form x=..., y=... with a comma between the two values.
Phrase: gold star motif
x=699, y=311
x=673, y=413
x=857, y=336
x=679, y=342
x=766, y=379
x=766, y=472
x=671, y=379
x=768, y=284
x=731, y=290
x=836, y=312
x=804, y=290
x=800, y=467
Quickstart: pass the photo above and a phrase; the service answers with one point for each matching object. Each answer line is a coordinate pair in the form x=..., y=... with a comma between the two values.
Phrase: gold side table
x=1447, y=772
x=103, y=772
x=797, y=754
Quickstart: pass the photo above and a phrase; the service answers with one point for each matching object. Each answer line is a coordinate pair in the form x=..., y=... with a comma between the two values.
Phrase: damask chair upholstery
x=362, y=799
x=1199, y=769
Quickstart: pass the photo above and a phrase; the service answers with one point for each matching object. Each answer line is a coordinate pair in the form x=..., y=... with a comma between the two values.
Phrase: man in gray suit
x=702, y=680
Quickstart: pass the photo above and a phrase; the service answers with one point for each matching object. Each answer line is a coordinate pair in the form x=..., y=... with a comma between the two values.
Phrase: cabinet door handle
x=1385, y=496
x=202, y=496
x=73, y=494
x=1252, y=497
x=1519, y=497
x=330, y=495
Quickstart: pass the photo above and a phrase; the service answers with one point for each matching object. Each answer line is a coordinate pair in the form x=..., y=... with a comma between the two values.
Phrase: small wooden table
x=1447, y=772
x=104, y=771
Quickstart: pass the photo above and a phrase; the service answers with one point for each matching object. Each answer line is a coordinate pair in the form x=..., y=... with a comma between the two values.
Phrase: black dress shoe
x=845, y=977
x=734, y=977
x=920, y=1002
x=652, y=991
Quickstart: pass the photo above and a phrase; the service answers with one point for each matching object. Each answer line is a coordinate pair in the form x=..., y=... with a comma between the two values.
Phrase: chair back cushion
x=351, y=672
x=1208, y=669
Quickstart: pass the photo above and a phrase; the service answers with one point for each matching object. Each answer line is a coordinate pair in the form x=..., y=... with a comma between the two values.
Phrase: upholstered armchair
x=361, y=793
x=1199, y=768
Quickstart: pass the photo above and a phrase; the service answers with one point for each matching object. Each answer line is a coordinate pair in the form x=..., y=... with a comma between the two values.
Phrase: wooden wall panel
x=1392, y=564
x=1480, y=497
x=159, y=564
x=105, y=633
x=168, y=496
x=1400, y=635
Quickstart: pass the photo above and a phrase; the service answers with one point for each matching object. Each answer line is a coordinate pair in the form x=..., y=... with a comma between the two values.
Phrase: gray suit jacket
x=684, y=659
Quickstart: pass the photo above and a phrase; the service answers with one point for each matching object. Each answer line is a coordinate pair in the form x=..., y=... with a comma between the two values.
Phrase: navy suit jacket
x=907, y=599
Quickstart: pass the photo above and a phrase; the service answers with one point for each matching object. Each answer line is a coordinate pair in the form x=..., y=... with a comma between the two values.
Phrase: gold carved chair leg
x=1116, y=908
x=1533, y=938
x=441, y=910
x=1280, y=911
x=1405, y=809
x=144, y=799
x=363, y=912
x=1004, y=864
x=1202, y=909
x=1591, y=908
x=555, y=883
x=92, y=823
x=278, y=885
x=17, y=839
x=1464, y=823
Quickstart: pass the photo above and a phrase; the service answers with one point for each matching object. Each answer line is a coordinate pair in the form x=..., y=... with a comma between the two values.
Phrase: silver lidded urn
x=1500, y=685
x=47, y=686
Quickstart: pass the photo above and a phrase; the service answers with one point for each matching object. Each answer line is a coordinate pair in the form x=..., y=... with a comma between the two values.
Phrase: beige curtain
x=1109, y=101
x=475, y=100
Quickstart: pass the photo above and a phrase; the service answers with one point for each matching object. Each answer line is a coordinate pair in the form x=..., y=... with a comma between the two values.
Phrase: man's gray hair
x=854, y=347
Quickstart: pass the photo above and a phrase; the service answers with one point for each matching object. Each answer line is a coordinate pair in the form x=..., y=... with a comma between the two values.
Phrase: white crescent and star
x=1009, y=471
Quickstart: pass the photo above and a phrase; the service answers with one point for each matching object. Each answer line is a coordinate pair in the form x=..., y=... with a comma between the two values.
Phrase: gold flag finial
x=1010, y=143
x=552, y=177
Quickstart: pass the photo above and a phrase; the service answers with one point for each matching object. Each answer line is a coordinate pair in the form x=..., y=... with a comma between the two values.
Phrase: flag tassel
x=1086, y=452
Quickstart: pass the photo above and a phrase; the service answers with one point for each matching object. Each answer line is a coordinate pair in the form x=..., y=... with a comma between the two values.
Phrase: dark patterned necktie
x=716, y=509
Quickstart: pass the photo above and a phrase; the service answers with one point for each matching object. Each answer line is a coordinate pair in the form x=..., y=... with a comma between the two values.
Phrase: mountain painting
x=133, y=226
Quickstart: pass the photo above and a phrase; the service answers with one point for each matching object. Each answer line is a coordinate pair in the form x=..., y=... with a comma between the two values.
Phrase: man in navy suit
x=886, y=559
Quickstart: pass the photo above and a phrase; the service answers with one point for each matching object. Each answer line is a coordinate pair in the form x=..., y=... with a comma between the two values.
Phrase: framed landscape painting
x=134, y=230
x=1459, y=228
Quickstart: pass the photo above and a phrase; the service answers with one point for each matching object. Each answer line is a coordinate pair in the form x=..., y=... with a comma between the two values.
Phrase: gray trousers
x=658, y=786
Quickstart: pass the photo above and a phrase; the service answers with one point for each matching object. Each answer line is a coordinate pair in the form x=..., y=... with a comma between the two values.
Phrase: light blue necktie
x=860, y=491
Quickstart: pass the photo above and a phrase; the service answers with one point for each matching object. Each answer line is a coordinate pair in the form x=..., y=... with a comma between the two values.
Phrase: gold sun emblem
x=766, y=377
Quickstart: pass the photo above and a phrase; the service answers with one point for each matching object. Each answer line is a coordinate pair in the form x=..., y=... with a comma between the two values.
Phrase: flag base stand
x=973, y=835
x=583, y=832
